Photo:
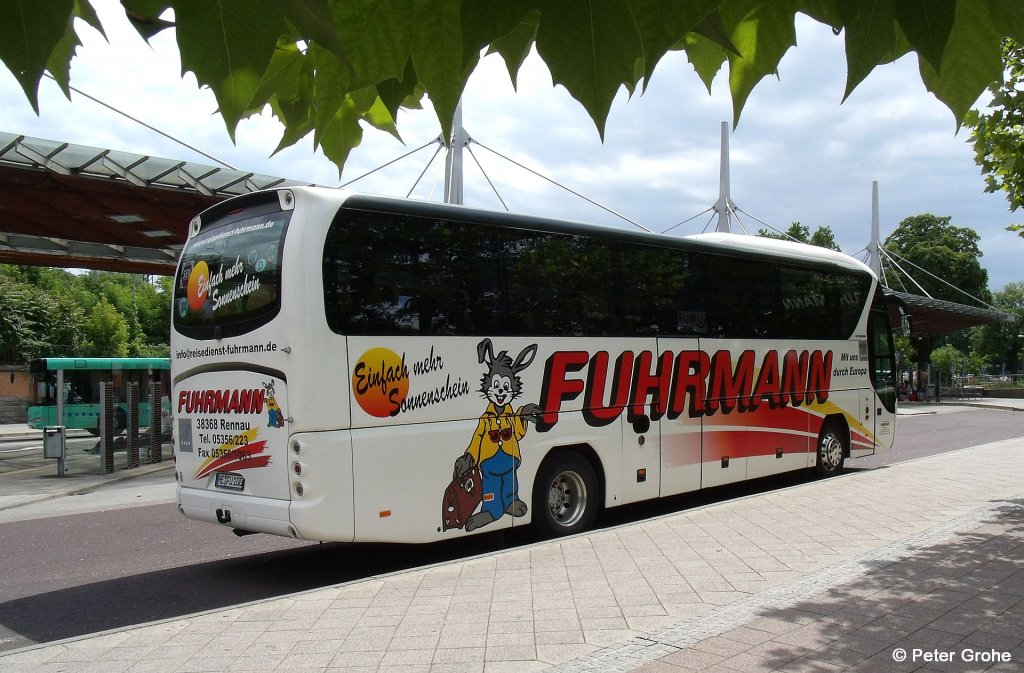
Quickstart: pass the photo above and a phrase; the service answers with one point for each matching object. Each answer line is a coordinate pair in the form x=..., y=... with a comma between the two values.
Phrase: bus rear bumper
x=242, y=512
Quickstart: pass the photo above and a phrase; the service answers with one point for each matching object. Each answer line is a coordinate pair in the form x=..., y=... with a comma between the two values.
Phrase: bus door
x=882, y=370
x=780, y=435
x=726, y=439
x=863, y=435
x=641, y=433
x=681, y=427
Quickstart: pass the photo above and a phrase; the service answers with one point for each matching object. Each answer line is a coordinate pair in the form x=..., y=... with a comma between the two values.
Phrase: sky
x=797, y=154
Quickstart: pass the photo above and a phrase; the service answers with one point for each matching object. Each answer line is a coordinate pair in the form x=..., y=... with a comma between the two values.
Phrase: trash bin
x=55, y=442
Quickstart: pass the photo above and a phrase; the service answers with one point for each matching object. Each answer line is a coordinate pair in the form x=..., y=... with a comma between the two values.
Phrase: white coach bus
x=350, y=367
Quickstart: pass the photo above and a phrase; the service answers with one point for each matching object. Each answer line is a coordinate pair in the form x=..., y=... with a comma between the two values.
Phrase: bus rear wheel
x=565, y=495
x=831, y=450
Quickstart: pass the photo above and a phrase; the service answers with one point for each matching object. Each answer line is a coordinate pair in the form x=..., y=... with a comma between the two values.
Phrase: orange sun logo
x=198, y=286
x=380, y=381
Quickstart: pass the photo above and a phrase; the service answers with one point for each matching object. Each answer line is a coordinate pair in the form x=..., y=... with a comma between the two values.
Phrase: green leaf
x=1011, y=17
x=440, y=60
x=282, y=77
x=59, y=63
x=762, y=32
x=332, y=80
x=870, y=36
x=312, y=18
x=29, y=33
x=380, y=118
x=296, y=111
x=342, y=134
x=395, y=93
x=705, y=56
x=229, y=44
x=590, y=47
x=377, y=36
x=971, y=61
x=712, y=28
x=926, y=25
x=486, y=21
x=144, y=15
x=823, y=11
x=85, y=12
x=296, y=115
x=663, y=23
x=515, y=46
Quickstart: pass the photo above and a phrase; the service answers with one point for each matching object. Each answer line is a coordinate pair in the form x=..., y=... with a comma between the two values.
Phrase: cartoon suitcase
x=461, y=499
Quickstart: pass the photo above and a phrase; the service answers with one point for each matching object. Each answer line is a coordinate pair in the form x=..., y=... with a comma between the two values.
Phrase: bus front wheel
x=831, y=450
x=565, y=495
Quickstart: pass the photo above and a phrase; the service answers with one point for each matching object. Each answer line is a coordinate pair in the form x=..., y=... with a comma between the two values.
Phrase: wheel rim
x=831, y=451
x=567, y=498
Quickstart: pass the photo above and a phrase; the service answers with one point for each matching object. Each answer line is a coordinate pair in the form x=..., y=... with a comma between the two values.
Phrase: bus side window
x=743, y=297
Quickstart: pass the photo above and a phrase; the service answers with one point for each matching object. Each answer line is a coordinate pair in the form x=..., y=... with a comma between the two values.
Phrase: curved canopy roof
x=934, y=317
x=75, y=206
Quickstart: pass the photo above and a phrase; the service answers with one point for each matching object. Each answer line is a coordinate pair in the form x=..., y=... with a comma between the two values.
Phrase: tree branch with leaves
x=998, y=132
x=332, y=67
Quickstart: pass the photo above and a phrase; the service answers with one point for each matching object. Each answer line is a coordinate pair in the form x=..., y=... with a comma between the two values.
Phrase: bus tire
x=832, y=449
x=565, y=495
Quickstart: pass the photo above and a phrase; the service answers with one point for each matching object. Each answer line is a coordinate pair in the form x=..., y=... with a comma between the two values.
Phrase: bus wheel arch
x=833, y=446
x=568, y=491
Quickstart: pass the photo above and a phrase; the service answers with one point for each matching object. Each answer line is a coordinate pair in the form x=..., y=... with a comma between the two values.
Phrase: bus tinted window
x=559, y=284
x=743, y=297
x=390, y=274
x=767, y=300
x=229, y=274
x=664, y=292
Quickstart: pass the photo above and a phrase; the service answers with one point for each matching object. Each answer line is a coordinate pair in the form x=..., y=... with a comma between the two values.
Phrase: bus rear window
x=229, y=275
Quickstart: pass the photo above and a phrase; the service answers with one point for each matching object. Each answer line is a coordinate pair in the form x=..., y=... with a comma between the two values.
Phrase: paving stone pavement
x=832, y=575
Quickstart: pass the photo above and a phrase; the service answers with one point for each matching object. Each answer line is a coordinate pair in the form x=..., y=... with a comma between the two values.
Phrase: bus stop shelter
x=75, y=206
x=927, y=317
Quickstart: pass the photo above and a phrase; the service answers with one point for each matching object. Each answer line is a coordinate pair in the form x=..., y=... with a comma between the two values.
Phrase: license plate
x=235, y=482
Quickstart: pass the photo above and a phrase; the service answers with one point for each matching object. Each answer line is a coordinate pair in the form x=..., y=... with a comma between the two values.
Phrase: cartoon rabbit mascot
x=275, y=416
x=495, y=444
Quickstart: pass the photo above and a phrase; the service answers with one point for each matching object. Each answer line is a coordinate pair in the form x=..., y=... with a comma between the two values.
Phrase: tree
x=43, y=314
x=1003, y=342
x=949, y=363
x=106, y=332
x=144, y=305
x=822, y=236
x=35, y=323
x=941, y=258
x=998, y=134
x=327, y=67
x=906, y=352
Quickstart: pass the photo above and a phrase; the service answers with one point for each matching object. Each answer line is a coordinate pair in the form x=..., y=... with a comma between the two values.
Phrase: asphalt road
x=70, y=575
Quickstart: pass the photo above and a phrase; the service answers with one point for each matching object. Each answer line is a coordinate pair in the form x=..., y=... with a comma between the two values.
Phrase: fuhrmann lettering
x=228, y=401
x=669, y=384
